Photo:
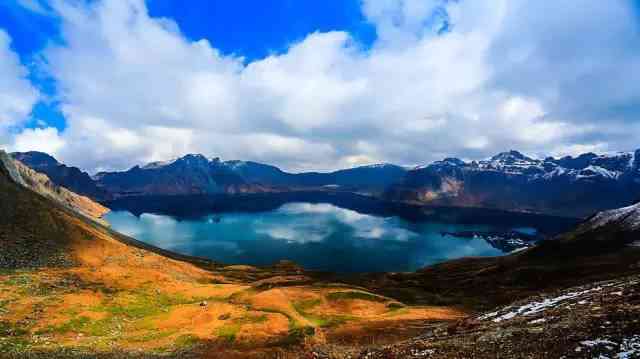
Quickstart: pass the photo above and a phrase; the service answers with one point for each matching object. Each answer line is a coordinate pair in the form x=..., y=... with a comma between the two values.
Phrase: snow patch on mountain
x=586, y=167
x=597, y=171
x=627, y=217
x=159, y=164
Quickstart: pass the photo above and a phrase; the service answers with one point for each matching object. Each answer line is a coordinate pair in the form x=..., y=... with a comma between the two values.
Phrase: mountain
x=191, y=174
x=196, y=174
x=575, y=296
x=40, y=183
x=72, y=288
x=569, y=186
x=512, y=181
x=69, y=177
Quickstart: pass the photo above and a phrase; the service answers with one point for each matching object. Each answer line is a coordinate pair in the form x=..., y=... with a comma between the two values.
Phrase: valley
x=324, y=236
x=72, y=287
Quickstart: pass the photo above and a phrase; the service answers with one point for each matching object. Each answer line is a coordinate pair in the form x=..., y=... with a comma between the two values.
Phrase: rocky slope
x=576, y=296
x=40, y=183
x=598, y=320
x=569, y=186
x=603, y=247
x=62, y=175
x=191, y=174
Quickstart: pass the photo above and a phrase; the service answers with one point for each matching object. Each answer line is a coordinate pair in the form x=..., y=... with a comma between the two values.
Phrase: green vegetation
x=395, y=306
x=13, y=338
x=87, y=326
x=228, y=331
x=251, y=319
x=3, y=305
x=306, y=305
x=187, y=341
x=152, y=336
x=144, y=304
x=293, y=323
x=20, y=280
x=303, y=307
x=297, y=335
x=350, y=295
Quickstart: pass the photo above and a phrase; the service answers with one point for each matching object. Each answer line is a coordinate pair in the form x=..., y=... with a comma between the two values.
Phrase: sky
x=317, y=84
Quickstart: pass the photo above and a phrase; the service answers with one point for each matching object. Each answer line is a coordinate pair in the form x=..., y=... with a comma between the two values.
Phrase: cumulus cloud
x=17, y=95
x=463, y=78
x=39, y=139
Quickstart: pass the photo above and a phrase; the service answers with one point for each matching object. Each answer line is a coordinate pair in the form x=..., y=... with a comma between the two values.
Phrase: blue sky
x=107, y=84
x=255, y=29
x=251, y=29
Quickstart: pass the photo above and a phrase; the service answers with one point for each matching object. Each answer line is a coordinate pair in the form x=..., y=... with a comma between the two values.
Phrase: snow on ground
x=536, y=307
x=627, y=348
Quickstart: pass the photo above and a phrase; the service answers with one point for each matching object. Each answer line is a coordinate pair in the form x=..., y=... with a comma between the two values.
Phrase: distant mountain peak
x=35, y=158
x=378, y=165
x=193, y=156
x=511, y=156
x=453, y=161
x=189, y=158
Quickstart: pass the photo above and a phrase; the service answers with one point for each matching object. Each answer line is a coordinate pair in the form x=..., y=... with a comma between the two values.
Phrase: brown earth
x=72, y=287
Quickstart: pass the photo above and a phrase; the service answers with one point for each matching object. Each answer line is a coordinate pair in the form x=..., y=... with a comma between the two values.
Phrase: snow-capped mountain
x=567, y=186
x=574, y=186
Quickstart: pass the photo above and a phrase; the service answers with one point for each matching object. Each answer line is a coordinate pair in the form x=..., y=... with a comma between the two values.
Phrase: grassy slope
x=70, y=286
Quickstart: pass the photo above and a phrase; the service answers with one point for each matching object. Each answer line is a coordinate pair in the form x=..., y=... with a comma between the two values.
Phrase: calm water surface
x=316, y=235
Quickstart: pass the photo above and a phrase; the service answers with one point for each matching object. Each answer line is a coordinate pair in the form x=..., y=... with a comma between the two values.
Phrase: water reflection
x=317, y=236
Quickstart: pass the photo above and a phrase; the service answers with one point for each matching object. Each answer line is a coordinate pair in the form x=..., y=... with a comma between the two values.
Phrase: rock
x=224, y=316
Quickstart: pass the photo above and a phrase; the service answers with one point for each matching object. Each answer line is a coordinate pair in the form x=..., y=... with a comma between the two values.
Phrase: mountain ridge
x=570, y=186
x=70, y=287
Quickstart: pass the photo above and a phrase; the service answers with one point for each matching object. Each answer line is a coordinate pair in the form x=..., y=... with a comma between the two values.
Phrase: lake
x=319, y=236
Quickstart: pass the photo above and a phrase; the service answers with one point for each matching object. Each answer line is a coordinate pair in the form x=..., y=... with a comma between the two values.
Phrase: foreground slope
x=577, y=296
x=70, y=287
x=41, y=183
x=599, y=320
x=600, y=248
x=69, y=177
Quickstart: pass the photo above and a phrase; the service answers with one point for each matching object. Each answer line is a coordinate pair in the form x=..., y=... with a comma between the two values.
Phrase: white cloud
x=17, y=95
x=537, y=76
x=38, y=139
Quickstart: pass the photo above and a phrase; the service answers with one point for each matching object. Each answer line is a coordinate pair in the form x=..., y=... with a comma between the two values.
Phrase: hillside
x=601, y=248
x=567, y=186
x=70, y=287
x=598, y=320
x=40, y=183
x=62, y=175
x=577, y=296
